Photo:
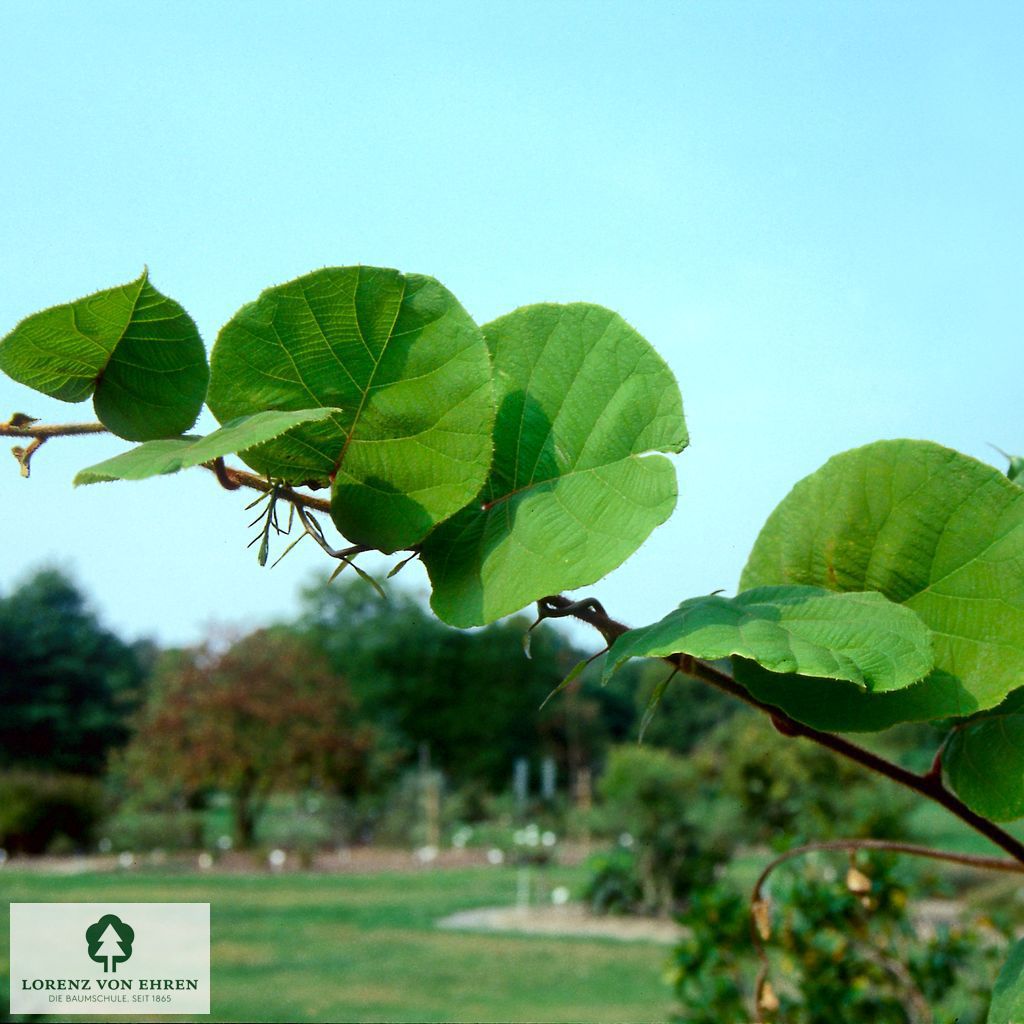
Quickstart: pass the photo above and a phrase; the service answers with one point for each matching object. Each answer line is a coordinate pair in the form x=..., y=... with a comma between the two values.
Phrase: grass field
x=365, y=948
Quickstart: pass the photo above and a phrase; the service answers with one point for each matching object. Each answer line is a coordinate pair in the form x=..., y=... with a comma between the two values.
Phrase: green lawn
x=364, y=948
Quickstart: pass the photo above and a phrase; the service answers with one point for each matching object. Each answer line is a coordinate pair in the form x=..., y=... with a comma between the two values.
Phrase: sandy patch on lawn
x=571, y=919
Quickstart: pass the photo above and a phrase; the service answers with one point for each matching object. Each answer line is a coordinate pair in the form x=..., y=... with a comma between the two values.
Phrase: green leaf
x=929, y=528
x=863, y=638
x=155, y=458
x=1007, y=1005
x=137, y=352
x=984, y=764
x=582, y=398
x=574, y=673
x=408, y=369
x=653, y=703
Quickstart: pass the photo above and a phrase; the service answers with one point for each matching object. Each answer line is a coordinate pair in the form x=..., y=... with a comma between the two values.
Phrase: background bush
x=40, y=813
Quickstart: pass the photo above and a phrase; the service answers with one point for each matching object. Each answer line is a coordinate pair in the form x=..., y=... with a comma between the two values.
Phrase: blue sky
x=813, y=211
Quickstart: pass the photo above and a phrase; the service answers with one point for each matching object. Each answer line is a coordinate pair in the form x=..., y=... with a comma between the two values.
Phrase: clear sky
x=813, y=211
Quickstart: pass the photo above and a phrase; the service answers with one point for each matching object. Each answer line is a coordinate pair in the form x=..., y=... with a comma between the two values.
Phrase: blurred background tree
x=261, y=715
x=470, y=696
x=67, y=684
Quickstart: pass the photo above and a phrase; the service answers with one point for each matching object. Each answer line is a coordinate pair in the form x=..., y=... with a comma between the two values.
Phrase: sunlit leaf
x=929, y=528
x=408, y=370
x=583, y=400
x=135, y=351
x=860, y=637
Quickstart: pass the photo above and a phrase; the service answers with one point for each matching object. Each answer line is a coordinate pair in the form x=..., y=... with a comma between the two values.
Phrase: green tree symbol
x=110, y=941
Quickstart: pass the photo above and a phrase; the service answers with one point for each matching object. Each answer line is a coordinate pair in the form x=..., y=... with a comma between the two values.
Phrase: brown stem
x=934, y=772
x=928, y=785
x=11, y=429
x=220, y=471
x=24, y=455
x=232, y=479
x=229, y=478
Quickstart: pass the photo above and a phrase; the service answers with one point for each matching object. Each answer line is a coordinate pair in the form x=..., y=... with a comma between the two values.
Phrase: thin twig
x=24, y=455
x=934, y=772
x=970, y=860
x=918, y=1010
x=15, y=429
x=240, y=478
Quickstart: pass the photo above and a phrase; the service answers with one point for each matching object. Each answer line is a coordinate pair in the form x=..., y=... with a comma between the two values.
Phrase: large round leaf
x=406, y=366
x=137, y=352
x=862, y=638
x=582, y=398
x=929, y=528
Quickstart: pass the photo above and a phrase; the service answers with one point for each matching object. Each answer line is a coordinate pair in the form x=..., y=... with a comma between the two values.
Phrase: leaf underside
x=927, y=527
x=860, y=637
x=409, y=371
x=573, y=491
x=135, y=351
x=156, y=458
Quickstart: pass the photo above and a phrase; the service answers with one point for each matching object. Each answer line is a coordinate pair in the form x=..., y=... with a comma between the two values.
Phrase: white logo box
x=140, y=958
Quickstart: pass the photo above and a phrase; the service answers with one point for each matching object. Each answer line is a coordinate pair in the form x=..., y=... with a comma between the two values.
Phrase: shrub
x=660, y=802
x=38, y=811
x=154, y=830
x=834, y=955
x=613, y=884
x=791, y=790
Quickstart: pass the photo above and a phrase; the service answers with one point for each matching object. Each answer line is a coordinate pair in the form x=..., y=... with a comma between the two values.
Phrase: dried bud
x=767, y=1000
x=19, y=453
x=762, y=919
x=857, y=882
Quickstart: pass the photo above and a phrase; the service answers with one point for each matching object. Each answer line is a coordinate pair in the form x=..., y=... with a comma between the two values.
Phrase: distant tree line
x=343, y=698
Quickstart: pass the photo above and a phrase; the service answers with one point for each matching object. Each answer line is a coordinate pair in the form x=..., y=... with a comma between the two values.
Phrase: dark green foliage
x=742, y=784
x=613, y=884
x=168, y=830
x=676, y=836
x=790, y=790
x=45, y=812
x=472, y=697
x=67, y=685
x=714, y=960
